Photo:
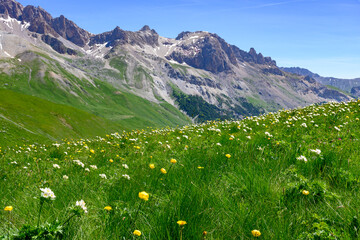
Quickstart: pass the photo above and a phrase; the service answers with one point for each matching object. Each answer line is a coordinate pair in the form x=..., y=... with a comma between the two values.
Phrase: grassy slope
x=119, y=107
x=28, y=118
x=260, y=186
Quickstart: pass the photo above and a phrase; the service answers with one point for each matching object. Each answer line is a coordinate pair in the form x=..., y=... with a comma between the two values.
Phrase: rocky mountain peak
x=145, y=28
x=11, y=8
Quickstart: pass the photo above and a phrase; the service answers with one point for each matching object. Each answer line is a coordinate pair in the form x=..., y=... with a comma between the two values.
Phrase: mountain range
x=139, y=79
x=351, y=86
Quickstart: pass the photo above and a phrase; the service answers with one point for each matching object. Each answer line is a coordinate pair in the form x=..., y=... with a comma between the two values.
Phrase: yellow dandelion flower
x=137, y=233
x=305, y=192
x=111, y=160
x=199, y=167
x=92, y=151
x=8, y=208
x=108, y=208
x=163, y=170
x=256, y=233
x=228, y=155
x=173, y=160
x=144, y=195
x=181, y=222
x=205, y=233
x=152, y=166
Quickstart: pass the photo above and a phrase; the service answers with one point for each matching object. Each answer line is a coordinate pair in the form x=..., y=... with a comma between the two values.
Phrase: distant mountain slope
x=140, y=79
x=343, y=84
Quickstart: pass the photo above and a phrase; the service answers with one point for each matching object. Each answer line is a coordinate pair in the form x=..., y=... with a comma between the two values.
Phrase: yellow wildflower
x=173, y=160
x=144, y=195
x=305, y=192
x=8, y=208
x=137, y=233
x=228, y=155
x=199, y=167
x=152, y=166
x=256, y=233
x=163, y=170
x=111, y=160
x=108, y=208
x=92, y=151
x=181, y=223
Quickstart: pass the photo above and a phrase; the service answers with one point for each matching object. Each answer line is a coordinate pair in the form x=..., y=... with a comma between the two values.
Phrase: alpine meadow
x=177, y=133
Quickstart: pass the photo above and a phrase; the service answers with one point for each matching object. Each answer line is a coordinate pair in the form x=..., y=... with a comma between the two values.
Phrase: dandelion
x=305, y=192
x=103, y=176
x=137, y=233
x=144, y=195
x=317, y=151
x=151, y=165
x=302, y=158
x=228, y=155
x=111, y=160
x=65, y=177
x=8, y=208
x=256, y=233
x=163, y=170
x=173, y=160
x=92, y=151
x=199, y=167
x=181, y=223
x=108, y=208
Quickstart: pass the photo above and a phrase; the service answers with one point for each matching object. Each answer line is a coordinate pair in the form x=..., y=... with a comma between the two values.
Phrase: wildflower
x=181, y=223
x=228, y=155
x=302, y=158
x=152, y=166
x=173, y=160
x=163, y=170
x=93, y=166
x=56, y=166
x=92, y=151
x=126, y=176
x=125, y=166
x=108, y=208
x=65, y=177
x=317, y=151
x=304, y=125
x=199, y=167
x=218, y=144
x=8, y=208
x=78, y=162
x=111, y=160
x=204, y=233
x=305, y=192
x=137, y=233
x=103, y=176
x=87, y=169
x=47, y=193
x=256, y=233
x=144, y=195
x=336, y=128
x=81, y=204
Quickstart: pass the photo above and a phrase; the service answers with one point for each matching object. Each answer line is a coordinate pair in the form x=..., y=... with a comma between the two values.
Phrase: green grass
x=97, y=97
x=25, y=119
x=261, y=185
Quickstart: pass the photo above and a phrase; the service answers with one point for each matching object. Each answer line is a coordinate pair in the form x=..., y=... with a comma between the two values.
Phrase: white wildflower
x=302, y=158
x=56, y=166
x=81, y=204
x=125, y=166
x=317, y=151
x=65, y=177
x=47, y=193
x=93, y=166
x=103, y=176
x=126, y=176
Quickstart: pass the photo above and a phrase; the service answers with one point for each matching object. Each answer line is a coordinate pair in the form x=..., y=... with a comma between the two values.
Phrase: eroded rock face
x=11, y=8
x=57, y=45
x=355, y=91
x=118, y=36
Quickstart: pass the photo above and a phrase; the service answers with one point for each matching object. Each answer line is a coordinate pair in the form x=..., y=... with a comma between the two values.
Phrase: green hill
x=293, y=174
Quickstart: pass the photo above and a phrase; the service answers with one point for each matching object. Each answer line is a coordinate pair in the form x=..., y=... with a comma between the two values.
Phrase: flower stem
x=69, y=219
x=41, y=205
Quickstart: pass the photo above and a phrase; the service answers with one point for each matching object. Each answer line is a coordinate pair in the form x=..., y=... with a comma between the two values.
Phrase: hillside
x=292, y=174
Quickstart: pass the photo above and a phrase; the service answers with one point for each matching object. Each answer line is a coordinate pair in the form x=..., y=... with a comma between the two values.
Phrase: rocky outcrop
x=252, y=57
x=145, y=36
x=42, y=22
x=57, y=45
x=11, y=8
x=355, y=91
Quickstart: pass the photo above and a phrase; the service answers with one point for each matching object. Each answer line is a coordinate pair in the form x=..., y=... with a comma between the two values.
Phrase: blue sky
x=321, y=35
